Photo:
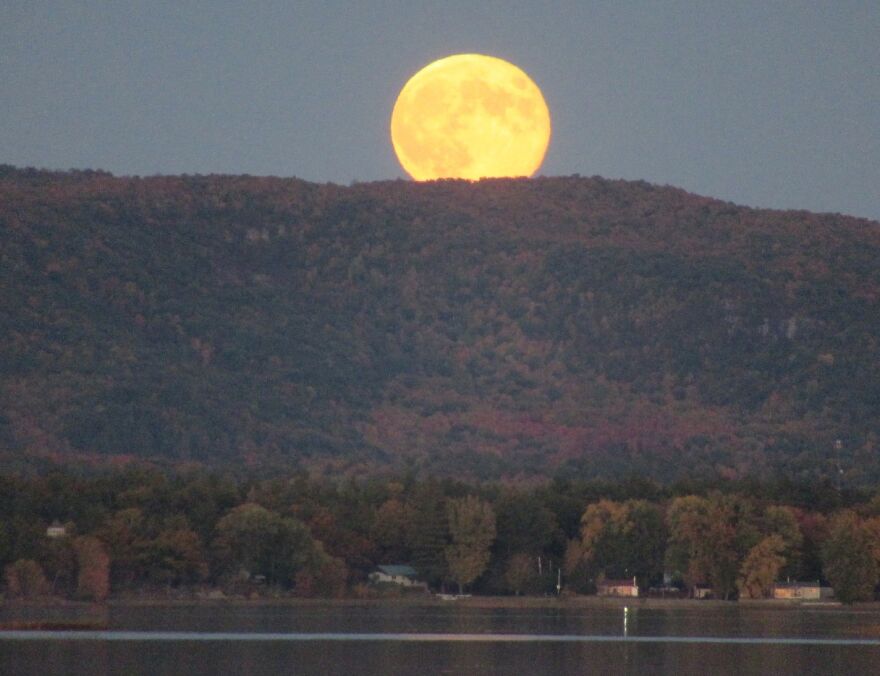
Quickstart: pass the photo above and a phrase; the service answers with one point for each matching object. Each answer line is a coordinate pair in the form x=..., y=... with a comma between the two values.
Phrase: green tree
x=871, y=528
x=175, y=557
x=472, y=530
x=341, y=541
x=125, y=537
x=524, y=525
x=392, y=531
x=578, y=568
x=5, y=543
x=323, y=576
x=782, y=521
x=702, y=542
x=430, y=534
x=58, y=561
x=251, y=540
x=847, y=560
x=519, y=572
x=621, y=539
x=644, y=541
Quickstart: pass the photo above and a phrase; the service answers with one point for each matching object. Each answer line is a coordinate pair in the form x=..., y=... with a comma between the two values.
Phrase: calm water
x=356, y=639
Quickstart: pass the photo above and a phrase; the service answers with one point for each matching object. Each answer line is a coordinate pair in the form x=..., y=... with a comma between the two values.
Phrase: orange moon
x=470, y=116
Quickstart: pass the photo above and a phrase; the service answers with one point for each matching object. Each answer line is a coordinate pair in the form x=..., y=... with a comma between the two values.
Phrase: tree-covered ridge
x=141, y=531
x=505, y=328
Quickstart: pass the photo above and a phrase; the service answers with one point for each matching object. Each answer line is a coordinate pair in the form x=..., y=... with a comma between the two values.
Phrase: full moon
x=470, y=116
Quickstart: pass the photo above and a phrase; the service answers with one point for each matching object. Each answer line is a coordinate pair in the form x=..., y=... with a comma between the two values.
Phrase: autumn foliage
x=93, y=569
x=499, y=329
x=179, y=535
x=25, y=579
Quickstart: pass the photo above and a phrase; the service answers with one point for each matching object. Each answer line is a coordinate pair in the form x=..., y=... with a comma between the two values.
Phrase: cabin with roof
x=617, y=588
x=399, y=574
x=801, y=591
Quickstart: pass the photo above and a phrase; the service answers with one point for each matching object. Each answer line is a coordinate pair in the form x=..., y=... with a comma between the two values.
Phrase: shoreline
x=434, y=601
x=59, y=615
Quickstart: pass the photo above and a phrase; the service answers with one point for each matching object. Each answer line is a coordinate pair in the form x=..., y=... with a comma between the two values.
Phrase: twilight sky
x=772, y=104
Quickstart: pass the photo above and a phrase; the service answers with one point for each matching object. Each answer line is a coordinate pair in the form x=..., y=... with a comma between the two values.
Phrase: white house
x=404, y=575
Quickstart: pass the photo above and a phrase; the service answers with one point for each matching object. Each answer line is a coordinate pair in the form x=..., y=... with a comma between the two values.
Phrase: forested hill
x=502, y=329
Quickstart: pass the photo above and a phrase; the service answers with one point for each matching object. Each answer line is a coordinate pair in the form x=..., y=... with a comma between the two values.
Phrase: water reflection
x=263, y=659
x=363, y=639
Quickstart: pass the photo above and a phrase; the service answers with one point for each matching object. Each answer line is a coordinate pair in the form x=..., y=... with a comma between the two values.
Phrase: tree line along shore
x=141, y=533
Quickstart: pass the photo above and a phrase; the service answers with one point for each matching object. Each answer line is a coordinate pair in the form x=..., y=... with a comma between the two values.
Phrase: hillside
x=503, y=329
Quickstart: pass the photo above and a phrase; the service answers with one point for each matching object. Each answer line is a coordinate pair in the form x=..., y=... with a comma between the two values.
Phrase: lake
x=388, y=638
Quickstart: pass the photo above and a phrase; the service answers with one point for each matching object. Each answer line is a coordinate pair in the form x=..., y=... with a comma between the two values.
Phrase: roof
x=399, y=569
x=795, y=585
x=617, y=583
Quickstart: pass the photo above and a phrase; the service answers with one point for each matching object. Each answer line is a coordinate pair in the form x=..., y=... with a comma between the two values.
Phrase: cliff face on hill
x=502, y=329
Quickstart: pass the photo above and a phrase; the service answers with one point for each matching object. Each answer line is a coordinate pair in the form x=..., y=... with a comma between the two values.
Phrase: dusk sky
x=771, y=104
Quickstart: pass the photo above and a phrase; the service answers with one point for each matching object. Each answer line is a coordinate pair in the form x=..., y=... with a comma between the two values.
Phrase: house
x=56, y=530
x=801, y=591
x=617, y=588
x=703, y=591
x=667, y=591
x=401, y=574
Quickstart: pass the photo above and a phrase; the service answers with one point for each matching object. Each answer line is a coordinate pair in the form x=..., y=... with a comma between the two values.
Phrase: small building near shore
x=703, y=591
x=56, y=530
x=399, y=574
x=667, y=591
x=617, y=588
x=801, y=591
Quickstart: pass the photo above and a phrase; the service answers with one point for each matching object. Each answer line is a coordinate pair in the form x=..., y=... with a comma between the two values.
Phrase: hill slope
x=506, y=328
